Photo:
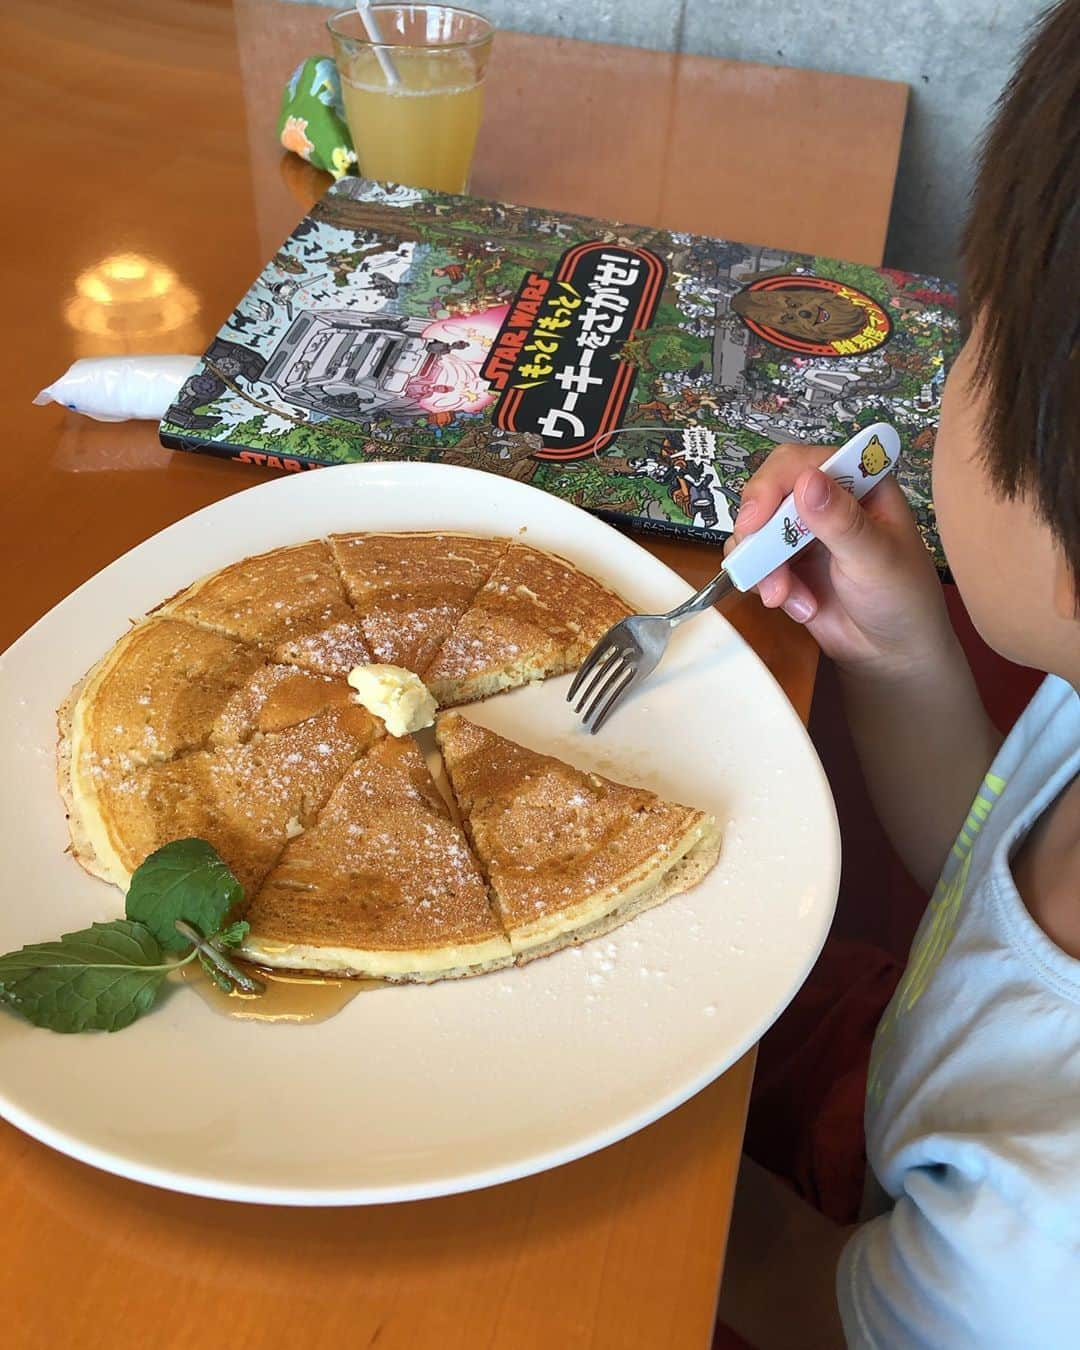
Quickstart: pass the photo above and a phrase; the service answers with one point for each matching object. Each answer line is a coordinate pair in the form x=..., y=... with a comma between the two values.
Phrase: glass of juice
x=413, y=99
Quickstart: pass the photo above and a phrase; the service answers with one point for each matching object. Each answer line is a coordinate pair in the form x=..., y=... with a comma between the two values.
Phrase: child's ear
x=1066, y=600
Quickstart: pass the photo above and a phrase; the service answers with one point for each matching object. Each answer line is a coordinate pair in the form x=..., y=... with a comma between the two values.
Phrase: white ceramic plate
x=415, y=1091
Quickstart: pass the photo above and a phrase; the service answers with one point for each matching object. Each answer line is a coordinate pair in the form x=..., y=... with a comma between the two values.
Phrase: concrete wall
x=954, y=54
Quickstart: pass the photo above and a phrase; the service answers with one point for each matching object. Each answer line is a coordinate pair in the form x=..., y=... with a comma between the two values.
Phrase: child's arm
x=870, y=597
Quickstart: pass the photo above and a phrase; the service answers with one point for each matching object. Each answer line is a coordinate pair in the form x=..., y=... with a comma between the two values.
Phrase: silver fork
x=629, y=652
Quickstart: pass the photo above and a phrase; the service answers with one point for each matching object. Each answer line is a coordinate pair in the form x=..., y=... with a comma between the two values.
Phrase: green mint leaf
x=99, y=979
x=184, y=880
x=233, y=935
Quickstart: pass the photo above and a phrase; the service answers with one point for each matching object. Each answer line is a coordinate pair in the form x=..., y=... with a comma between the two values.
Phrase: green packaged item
x=312, y=119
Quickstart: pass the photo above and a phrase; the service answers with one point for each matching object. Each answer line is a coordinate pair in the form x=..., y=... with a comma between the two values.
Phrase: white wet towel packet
x=118, y=388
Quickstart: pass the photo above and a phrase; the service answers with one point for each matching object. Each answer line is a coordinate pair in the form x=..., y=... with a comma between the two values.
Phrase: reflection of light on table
x=128, y=302
x=86, y=446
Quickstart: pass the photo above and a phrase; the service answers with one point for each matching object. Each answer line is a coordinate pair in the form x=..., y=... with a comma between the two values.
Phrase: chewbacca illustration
x=802, y=312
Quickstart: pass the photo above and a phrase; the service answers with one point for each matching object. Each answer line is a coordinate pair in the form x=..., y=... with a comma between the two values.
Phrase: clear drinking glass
x=413, y=99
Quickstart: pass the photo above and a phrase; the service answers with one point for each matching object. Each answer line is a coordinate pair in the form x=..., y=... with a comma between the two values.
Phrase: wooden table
x=146, y=129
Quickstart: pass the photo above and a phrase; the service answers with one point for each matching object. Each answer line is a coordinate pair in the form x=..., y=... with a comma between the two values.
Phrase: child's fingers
x=761, y=496
x=800, y=603
x=773, y=589
x=768, y=487
x=785, y=589
x=850, y=533
x=868, y=539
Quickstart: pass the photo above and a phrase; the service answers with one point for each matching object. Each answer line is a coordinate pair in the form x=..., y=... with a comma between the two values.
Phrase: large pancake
x=225, y=715
x=537, y=615
x=245, y=799
x=567, y=854
x=382, y=885
x=411, y=589
x=289, y=602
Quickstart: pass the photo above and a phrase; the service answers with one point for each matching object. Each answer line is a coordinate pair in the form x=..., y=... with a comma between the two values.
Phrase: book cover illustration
x=640, y=373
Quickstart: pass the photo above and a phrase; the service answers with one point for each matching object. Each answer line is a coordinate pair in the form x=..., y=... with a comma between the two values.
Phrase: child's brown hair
x=1022, y=263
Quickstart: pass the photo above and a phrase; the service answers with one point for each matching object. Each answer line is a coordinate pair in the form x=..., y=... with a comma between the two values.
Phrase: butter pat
x=398, y=696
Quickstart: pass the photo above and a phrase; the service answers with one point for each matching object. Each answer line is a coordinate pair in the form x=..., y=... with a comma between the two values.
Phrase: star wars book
x=643, y=374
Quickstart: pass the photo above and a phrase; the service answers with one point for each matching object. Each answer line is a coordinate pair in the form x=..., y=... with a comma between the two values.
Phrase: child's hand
x=868, y=591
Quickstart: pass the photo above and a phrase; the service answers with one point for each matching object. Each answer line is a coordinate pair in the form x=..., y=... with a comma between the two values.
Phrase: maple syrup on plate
x=289, y=995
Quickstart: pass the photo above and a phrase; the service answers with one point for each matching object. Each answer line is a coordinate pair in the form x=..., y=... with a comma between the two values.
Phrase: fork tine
x=611, y=658
x=603, y=648
x=613, y=700
x=599, y=684
x=610, y=675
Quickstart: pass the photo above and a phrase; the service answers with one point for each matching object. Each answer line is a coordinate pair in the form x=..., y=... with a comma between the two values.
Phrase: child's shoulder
x=1045, y=867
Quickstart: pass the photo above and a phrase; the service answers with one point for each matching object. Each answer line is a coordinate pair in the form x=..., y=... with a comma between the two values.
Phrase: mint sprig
x=99, y=979
x=184, y=880
x=216, y=964
x=104, y=977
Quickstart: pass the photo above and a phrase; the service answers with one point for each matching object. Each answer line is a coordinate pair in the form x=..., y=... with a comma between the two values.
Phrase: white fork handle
x=857, y=466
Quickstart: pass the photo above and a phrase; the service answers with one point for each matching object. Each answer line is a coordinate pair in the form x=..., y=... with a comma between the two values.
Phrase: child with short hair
x=973, y=1100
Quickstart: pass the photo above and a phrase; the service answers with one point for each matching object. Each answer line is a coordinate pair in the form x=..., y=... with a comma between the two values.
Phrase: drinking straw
x=375, y=37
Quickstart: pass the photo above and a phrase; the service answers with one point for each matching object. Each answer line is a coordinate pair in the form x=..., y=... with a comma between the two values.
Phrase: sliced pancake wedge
x=168, y=687
x=568, y=854
x=275, y=697
x=537, y=615
x=411, y=589
x=289, y=602
x=382, y=885
x=247, y=800
x=155, y=694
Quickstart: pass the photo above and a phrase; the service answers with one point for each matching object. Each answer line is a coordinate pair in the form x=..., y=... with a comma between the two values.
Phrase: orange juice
x=423, y=132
